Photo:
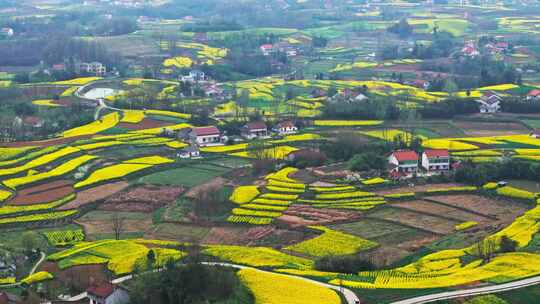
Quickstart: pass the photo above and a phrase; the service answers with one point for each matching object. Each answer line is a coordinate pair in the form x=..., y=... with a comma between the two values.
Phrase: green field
x=189, y=176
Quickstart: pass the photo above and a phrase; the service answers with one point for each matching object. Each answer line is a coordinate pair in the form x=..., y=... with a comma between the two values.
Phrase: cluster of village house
x=212, y=136
x=406, y=163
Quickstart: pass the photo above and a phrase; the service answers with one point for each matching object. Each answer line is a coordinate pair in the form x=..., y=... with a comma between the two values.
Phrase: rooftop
x=405, y=155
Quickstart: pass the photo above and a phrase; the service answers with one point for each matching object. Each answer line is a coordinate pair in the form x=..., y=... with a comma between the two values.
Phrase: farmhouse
x=490, y=102
x=254, y=130
x=403, y=162
x=189, y=152
x=7, y=32
x=205, y=136
x=470, y=50
x=95, y=67
x=533, y=94
x=266, y=49
x=436, y=160
x=107, y=293
x=286, y=127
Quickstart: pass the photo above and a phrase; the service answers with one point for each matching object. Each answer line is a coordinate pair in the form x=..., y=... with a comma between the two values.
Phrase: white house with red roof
x=266, y=49
x=403, y=162
x=490, y=102
x=436, y=160
x=255, y=129
x=107, y=293
x=533, y=94
x=206, y=136
x=286, y=128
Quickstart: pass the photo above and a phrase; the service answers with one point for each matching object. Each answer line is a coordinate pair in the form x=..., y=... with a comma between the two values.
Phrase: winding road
x=471, y=292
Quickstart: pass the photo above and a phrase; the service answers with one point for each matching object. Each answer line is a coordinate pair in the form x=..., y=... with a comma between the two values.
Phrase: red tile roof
x=286, y=124
x=436, y=153
x=405, y=155
x=534, y=93
x=103, y=291
x=204, y=131
x=256, y=125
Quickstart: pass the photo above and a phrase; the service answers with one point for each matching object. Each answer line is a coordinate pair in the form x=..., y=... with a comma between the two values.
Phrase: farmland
x=269, y=151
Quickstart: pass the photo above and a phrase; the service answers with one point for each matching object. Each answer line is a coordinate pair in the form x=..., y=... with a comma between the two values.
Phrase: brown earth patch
x=106, y=226
x=416, y=188
x=446, y=211
x=504, y=211
x=45, y=143
x=430, y=223
x=297, y=216
x=80, y=277
x=43, y=193
x=146, y=198
x=235, y=235
x=214, y=183
x=473, y=128
x=95, y=194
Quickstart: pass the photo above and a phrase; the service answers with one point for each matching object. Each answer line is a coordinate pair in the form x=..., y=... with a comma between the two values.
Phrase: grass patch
x=186, y=176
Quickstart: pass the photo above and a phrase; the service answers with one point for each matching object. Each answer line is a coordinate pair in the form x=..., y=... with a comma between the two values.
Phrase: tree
x=30, y=240
x=150, y=259
x=117, y=225
x=485, y=249
x=507, y=244
x=403, y=29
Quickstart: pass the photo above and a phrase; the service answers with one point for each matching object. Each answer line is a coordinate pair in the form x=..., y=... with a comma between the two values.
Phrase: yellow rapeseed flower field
x=332, y=242
x=62, y=169
x=77, y=81
x=111, y=173
x=346, y=123
x=106, y=122
x=466, y=225
x=244, y=194
x=40, y=161
x=257, y=256
x=179, y=62
x=132, y=116
x=272, y=288
x=46, y=102
x=37, y=277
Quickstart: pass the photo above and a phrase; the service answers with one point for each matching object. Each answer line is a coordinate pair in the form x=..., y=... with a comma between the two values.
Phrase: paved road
x=41, y=259
x=472, y=292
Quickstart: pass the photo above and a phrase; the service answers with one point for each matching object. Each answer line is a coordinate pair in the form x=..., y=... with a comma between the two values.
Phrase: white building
x=95, y=67
x=189, y=152
x=107, y=293
x=256, y=129
x=7, y=31
x=403, y=162
x=286, y=128
x=490, y=102
x=206, y=136
x=436, y=160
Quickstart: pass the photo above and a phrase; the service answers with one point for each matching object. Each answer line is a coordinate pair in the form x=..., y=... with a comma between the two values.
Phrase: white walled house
x=107, y=293
x=256, y=129
x=206, y=136
x=189, y=152
x=436, y=160
x=490, y=103
x=403, y=162
x=286, y=128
